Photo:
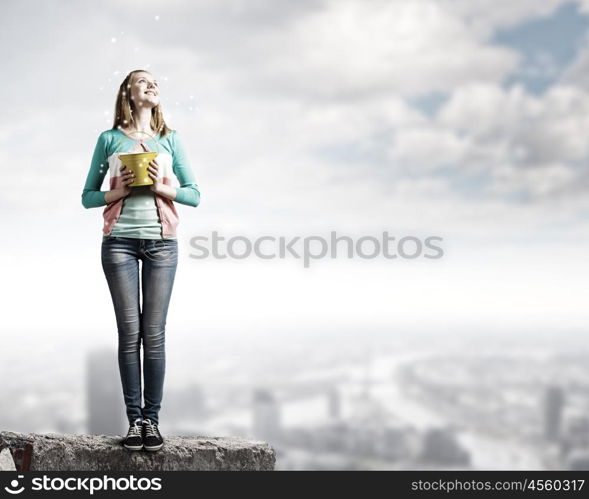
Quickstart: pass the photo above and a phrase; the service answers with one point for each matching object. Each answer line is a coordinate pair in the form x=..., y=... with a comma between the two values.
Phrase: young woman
x=140, y=225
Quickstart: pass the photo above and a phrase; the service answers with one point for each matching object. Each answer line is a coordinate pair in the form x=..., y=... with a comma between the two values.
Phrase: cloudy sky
x=465, y=119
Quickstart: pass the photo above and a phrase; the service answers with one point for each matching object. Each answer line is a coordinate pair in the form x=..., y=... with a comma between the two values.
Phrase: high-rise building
x=553, y=408
x=266, y=420
x=441, y=446
x=104, y=395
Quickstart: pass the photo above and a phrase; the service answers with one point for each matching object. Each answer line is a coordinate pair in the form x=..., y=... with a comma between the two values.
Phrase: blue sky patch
x=548, y=45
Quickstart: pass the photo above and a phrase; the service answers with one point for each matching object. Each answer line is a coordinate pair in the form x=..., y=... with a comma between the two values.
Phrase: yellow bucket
x=138, y=162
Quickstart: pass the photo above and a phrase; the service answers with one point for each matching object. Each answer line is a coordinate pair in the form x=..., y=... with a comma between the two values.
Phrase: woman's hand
x=158, y=186
x=154, y=173
x=127, y=178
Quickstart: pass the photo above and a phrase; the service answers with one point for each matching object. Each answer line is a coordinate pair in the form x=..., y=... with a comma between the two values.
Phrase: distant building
x=393, y=443
x=266, y=419
x=106, y=414
x=553, y=408
x=185, y=404
x=578, y=460
x=194, y=400
x=440, y=446
x=575, y=434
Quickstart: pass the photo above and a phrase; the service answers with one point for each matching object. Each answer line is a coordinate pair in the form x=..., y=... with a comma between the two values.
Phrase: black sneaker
x=134, y=438
x=152, y=440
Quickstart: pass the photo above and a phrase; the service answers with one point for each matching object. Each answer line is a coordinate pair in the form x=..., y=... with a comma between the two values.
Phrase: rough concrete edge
x=262, y=456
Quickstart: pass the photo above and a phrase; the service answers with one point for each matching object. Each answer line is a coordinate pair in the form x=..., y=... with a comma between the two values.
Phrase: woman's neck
x=142, y=120
x=131, y=129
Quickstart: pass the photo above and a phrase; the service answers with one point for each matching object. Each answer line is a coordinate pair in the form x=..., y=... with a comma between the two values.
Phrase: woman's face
x=144, y=90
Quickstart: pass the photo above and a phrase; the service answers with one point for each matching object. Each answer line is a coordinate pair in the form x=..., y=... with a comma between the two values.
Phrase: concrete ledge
x=72, y=452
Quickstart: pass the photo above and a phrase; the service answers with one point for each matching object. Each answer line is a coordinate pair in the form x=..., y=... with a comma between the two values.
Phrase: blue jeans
x=120, y=262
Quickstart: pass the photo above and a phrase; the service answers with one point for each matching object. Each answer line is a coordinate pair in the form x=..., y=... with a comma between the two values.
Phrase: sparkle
x=113, y=40
x=157, y=18
x=192, y=96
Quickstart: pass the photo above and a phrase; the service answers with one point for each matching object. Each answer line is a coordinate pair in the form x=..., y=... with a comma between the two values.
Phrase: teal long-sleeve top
x=115, y=141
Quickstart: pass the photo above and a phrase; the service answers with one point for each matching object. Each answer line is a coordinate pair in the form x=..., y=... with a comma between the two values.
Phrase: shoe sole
x=153, y=448
x=133, y=447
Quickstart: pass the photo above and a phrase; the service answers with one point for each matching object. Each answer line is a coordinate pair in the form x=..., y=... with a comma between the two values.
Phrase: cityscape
x=377, y=402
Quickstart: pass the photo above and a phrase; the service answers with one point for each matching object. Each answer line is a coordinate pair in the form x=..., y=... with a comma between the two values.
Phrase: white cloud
x=365, y=50
x=577, y=72
x=523, y=131
x=302, y=117
x=484, y=17
x=420, y=149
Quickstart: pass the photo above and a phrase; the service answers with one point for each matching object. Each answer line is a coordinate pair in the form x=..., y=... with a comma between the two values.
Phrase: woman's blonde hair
x=124, y=108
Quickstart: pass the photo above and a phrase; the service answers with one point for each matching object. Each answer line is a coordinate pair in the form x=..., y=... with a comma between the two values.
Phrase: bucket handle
x=146, y=133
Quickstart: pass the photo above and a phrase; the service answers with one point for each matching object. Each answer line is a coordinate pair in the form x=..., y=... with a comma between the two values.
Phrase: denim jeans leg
x=121, y=268
x=160, y=260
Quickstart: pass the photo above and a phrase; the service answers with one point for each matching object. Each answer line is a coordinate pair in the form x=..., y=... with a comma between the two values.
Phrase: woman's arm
x=188, y=192
x=92, y=196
